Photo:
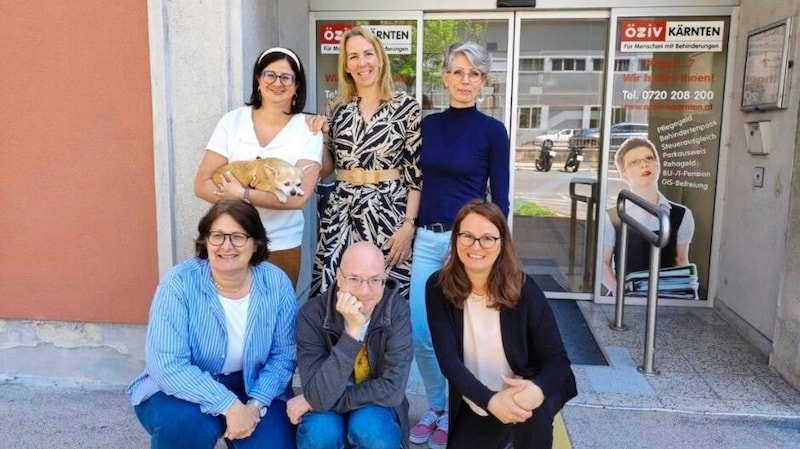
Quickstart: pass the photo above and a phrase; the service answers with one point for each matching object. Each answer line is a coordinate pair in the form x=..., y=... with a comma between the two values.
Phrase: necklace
x=231, y=291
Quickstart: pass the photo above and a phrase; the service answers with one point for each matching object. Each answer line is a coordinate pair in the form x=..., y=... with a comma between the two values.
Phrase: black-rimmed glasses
x=270, y=77
x=486, y=241
x=238, y=239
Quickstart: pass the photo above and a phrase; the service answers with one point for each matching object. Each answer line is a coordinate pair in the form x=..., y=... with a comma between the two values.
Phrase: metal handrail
x=588, y=231
x=657, y=241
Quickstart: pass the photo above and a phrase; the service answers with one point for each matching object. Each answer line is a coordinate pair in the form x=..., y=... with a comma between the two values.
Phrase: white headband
x=280, y=50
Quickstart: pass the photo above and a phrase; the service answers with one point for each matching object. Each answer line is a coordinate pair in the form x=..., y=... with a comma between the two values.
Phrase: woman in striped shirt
x=220, y=348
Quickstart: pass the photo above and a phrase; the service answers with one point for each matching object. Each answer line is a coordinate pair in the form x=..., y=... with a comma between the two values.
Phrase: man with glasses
x=353, y=356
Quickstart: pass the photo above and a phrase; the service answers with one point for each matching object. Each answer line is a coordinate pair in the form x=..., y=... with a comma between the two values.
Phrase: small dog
x=269, y=175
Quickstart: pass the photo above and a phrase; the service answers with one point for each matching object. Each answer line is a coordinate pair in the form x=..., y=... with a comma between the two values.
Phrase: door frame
x=554, y=15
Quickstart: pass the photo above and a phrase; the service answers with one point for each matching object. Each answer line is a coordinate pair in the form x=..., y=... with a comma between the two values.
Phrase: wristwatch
x=262, y=408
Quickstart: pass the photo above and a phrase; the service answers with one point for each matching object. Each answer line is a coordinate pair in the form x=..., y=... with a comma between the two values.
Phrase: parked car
x=621, y=131
x=558, y=138
x=585, y=138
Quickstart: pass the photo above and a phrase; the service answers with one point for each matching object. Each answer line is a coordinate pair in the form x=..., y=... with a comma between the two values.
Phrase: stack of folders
x=674, y=282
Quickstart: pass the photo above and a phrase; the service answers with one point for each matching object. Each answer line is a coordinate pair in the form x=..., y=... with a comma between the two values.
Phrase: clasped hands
x=241, y=420
x=516, y=403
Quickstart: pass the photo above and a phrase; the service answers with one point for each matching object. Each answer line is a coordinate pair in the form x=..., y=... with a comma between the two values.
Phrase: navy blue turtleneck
x=462, y=150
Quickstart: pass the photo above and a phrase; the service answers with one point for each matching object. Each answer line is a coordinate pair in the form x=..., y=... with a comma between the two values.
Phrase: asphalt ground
x=46, y=414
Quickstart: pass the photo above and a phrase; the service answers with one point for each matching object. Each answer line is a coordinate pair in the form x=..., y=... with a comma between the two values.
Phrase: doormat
x=548, y=283
x=581, y=346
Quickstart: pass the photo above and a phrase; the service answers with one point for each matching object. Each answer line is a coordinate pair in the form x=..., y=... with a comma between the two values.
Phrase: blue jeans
x=430, y=250
x=369, y=427
x=177, y=424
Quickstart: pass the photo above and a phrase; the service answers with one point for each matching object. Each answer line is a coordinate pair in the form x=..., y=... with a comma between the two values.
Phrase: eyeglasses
x=238, y=239
x=486, y=241
x=472, y=75
x=270, y=77
x=373, y=283
x=639, y=163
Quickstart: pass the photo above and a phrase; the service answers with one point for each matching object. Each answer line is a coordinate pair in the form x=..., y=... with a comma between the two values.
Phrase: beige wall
x=78, y=222
x=759, y=258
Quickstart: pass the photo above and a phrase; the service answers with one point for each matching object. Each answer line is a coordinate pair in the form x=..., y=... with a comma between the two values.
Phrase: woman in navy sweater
x=465, y=155
x=496, y=339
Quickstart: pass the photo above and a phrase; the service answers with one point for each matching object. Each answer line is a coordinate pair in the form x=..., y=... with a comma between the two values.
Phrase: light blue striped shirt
x=187, y=341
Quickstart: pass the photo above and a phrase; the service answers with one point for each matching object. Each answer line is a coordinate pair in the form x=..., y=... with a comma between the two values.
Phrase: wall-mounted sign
x=765, y=66
x=396, y=39
x=670, y=36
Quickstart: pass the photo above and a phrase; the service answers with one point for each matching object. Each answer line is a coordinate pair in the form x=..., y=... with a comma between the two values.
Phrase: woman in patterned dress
x=373, y=135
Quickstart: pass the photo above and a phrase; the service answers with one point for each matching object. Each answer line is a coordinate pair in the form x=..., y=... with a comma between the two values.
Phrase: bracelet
x=413, y=221
x=246, y=195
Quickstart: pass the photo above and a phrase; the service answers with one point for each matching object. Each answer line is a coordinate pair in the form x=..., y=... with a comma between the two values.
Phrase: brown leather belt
x=359, y=176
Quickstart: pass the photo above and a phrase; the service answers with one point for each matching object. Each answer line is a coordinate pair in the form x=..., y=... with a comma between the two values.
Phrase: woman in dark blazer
x=496, y=339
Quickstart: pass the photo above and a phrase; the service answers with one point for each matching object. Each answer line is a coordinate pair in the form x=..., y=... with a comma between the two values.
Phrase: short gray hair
x=475, y=53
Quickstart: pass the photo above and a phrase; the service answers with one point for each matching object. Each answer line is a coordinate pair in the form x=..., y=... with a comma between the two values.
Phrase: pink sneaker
x=438, y=439
x=425, y=427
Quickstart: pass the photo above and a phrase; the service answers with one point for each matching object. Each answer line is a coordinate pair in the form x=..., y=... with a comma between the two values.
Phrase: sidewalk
x=714, y=391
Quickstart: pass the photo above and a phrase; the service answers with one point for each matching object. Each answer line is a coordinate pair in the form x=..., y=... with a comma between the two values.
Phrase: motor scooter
x=546, y=156
x=574, y=159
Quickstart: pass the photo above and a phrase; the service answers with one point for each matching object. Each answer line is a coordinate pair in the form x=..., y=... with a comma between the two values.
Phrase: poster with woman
x=668, y=76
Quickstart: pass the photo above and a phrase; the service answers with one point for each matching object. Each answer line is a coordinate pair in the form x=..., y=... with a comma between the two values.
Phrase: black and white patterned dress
x=371, y=212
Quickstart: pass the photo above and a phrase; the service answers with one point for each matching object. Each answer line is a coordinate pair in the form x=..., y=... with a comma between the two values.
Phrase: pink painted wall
x=77, y=227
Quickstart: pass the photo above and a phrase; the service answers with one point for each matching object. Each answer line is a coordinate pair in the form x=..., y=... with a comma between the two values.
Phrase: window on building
x=530, y=117
x=622, y=65
x=618, y=115
x=598, y=64
x=531, y=64
x=594, y=117
x=568, y=65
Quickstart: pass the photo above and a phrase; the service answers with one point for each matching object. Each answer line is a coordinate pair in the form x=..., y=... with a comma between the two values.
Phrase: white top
x=235, y=327
x=483, y=347
x=235, y=139
x=685, y=230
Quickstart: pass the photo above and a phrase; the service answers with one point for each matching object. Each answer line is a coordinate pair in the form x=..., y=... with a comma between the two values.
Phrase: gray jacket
x=326, y=355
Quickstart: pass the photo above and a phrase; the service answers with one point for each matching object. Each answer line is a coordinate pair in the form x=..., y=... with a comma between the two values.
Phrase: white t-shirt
x=235, y=139
x=685, y=230
x=235, y=326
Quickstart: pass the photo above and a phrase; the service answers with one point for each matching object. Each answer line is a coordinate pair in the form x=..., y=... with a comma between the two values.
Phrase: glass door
x=558, y=100
x=557, y=66
x=493, y=31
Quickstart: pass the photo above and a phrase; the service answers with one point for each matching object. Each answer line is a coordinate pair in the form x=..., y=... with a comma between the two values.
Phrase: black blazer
x=531, y=342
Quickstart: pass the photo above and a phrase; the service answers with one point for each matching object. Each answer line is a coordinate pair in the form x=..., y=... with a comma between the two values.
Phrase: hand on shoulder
x=317, y=123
